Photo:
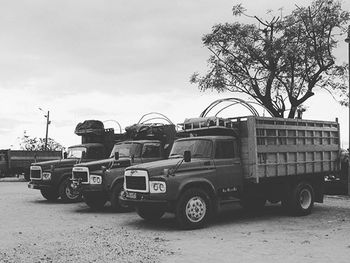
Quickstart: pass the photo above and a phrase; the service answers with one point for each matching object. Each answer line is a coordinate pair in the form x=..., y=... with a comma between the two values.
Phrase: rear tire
x=50, y=195
x=67, y=193
x=193, y=209
x=96, y=201
x=150, y=213
x=301, y=200
x=115, y=202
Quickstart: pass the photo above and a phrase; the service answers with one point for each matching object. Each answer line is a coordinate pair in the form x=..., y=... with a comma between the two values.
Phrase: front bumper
x=85, y=187
x=38, y=185
x=140, y=199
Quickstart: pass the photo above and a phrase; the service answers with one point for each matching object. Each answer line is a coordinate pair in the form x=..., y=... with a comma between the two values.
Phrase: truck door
x=228, y=167
x=151, y=151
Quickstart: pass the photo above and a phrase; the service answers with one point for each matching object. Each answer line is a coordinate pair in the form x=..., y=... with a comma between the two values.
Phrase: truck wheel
x=96, y=201
x=115, y=203
x=150, y=213
x=50, y=195
x=193, y=209
x=67, y=193
x=301, y=200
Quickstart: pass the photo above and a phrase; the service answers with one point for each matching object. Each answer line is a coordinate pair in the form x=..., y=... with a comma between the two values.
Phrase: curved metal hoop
x=119, y=126
x=234, y=101
x=160, y=117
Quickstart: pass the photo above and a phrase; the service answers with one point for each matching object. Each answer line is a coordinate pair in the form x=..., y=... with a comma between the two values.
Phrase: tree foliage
x=38, y=144
x=279, y=63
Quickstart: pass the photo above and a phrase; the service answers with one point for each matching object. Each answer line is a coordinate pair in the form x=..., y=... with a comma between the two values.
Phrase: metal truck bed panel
x=273, y=147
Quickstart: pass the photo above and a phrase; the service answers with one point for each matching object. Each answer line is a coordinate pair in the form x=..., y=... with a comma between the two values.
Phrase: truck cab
x=102, y=181
x=52, y=178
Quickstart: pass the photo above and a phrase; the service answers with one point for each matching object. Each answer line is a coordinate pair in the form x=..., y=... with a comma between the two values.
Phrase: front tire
x=50, y=195
x=150, y=213
x=193, y=209
x=96, y=201
x=67, y=193
x=115, y=202
x=301, y=200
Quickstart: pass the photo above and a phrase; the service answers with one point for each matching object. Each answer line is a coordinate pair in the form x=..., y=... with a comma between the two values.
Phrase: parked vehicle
x=52, y=178
x=16, y=162
x=102, y=181
x=337, y=184
x=246, y=159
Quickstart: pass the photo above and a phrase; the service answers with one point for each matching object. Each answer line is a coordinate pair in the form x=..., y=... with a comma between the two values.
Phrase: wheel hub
x=71, y=193
x=196, y=209
x=305, y=198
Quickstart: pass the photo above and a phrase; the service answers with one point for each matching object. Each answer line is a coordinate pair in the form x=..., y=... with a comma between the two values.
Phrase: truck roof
x=209, y=137
x=138, y=141
x=87, y=145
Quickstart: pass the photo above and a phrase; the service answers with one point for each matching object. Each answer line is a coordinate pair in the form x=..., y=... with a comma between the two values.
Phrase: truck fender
x=64, y=177
x=198, y=183
x=116, y=181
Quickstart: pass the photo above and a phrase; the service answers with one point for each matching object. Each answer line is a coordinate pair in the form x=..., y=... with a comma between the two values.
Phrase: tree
x=38, y=144
x=279, y=63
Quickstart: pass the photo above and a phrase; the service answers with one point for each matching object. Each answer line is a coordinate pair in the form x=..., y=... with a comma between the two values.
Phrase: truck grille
x=136, y=181
x=83, y=176
x=35, y=173
x=81, y=173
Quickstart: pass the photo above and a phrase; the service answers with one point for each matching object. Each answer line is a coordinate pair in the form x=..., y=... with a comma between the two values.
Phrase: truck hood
x=157, y=168
x=57, y=163
x=97, y=165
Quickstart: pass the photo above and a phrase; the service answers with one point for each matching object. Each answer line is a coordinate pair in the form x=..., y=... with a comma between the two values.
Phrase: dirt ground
x=35, y=230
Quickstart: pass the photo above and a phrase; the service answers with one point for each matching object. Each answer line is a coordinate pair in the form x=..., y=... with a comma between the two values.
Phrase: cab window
x=225, y=150
x=151, y=150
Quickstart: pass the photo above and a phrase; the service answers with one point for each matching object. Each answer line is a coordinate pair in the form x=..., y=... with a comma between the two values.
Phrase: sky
x=117, y=60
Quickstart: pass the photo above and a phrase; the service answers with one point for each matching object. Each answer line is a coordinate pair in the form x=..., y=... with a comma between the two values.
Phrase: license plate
x=131, y=195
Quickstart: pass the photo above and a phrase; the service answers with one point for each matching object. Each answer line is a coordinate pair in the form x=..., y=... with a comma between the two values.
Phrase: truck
x=102, y=181
x=16, y=162
x=52, y=178
x=248, y=159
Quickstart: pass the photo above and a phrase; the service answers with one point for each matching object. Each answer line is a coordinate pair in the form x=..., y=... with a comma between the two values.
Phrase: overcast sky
x=115, y=60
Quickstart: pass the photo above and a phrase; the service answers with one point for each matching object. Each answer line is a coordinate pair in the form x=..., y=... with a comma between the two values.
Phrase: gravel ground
x=34, y=230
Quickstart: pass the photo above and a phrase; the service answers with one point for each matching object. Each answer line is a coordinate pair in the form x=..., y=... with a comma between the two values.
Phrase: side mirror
x=187, y=156
x=116, y=156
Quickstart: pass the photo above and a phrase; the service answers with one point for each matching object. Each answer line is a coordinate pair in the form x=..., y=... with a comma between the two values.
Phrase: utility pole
x=347, y=40
x=47, y=128
x=47, y=116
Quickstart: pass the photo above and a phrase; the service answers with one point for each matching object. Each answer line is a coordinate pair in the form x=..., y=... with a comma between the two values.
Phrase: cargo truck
x=52, y=178
x=16, y=162
x=247, y=159
x=102, y=181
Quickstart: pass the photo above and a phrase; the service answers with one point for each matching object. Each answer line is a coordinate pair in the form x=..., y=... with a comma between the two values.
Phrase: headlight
x=95, y=179
x=46, y=176
x=157, y=187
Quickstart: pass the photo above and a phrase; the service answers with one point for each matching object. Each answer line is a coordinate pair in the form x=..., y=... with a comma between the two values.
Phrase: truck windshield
x=199, y=148
x=76, y=152
x=127, y=149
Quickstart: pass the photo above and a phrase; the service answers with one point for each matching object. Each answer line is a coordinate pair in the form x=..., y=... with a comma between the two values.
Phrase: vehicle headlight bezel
x=46, y=176
x=157, y=187
x=95, y=179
